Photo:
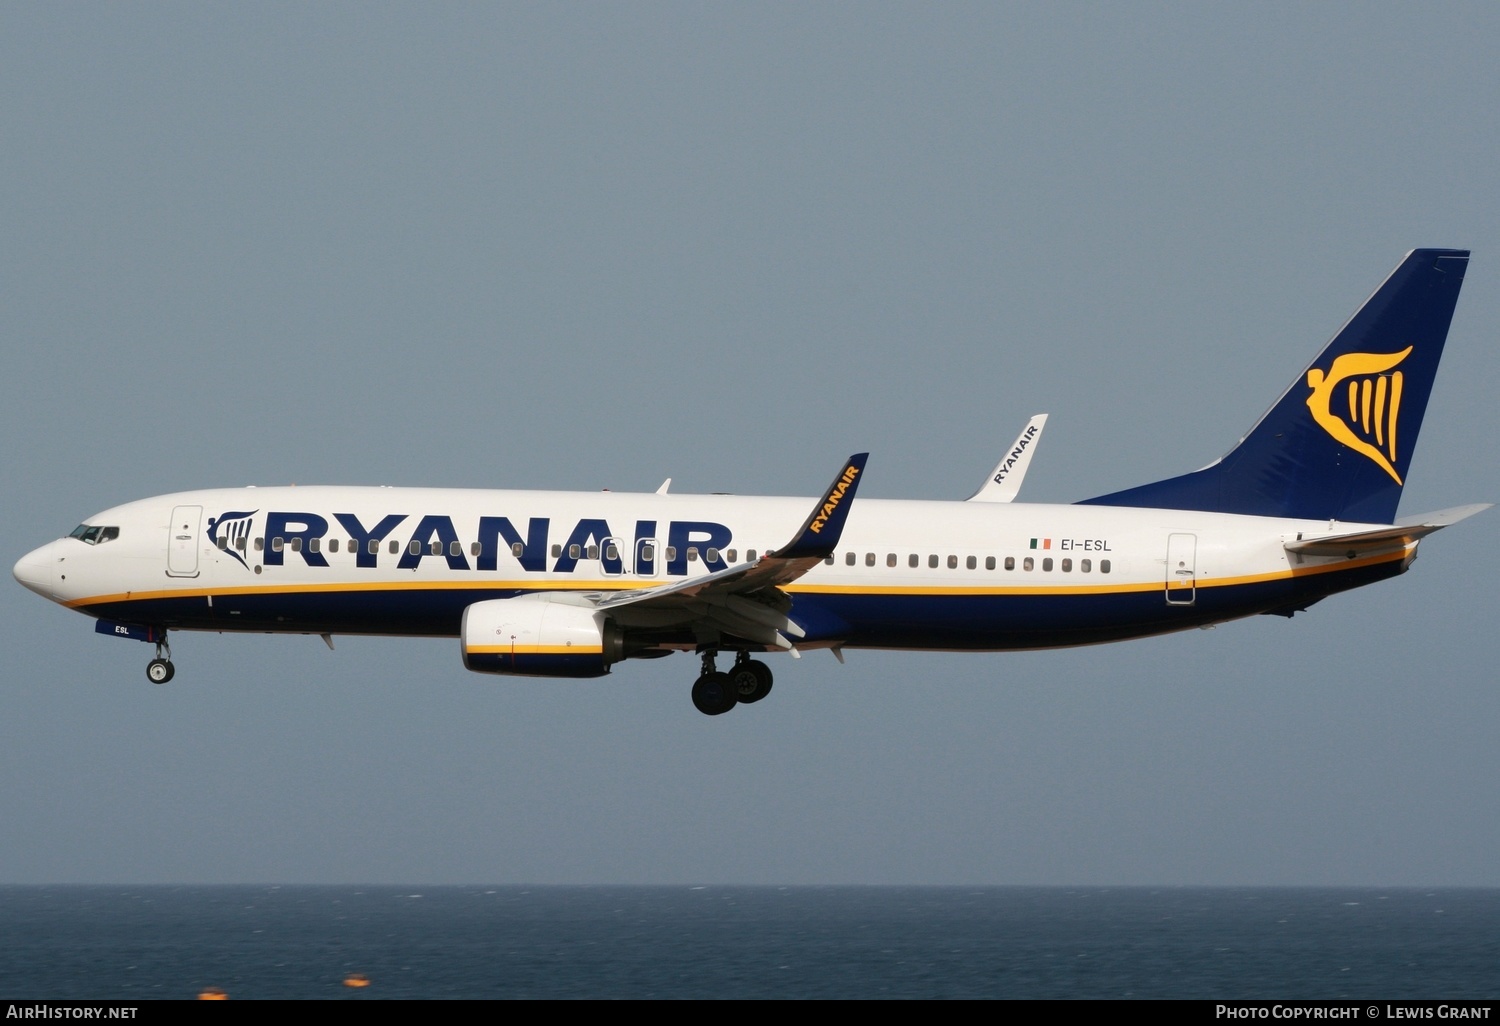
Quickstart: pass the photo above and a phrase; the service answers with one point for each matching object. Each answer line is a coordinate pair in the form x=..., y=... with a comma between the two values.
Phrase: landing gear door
x=1181, y=569
x=182, y=541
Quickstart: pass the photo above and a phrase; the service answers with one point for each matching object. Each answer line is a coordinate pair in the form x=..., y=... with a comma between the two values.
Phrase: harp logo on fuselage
x=234, y=527
x=1358, y=402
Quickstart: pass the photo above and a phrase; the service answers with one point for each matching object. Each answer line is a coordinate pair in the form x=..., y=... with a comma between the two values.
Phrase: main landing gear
x=160, y=670
x=748, y=680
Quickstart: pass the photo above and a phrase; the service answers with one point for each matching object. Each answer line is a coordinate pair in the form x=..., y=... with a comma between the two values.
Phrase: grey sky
x=594, y=246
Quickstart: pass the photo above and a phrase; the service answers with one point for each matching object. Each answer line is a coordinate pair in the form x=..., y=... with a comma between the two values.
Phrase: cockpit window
x=92, y=534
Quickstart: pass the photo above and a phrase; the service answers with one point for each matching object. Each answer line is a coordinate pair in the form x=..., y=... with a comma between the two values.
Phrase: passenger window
x=971, y=563
x=296, y=544
x=573, y=551
x=395, y=546
x=729, y=555
x=932, y=561
x=692, y=553
x=277, y=544
x=712, y=555
x=989, y=562
x=828, y=560
x=414, y=547
x=1104, y=566
x=239, y=543
x=333, y=544
x=593, y=552
x=1047, y=564
x=1028, y=563
x=914, y=560
x=455, y=548
x=519, y=549
x=952, y=562
x=313, y=544
x=849, y=558
x=750, y=556
x=869, y=559
x=890, y=560
x=372, y=546
x=611, y=552
x=260, y=545
x=223, y=543
x=473, y=548
x=1084, y=565
x=1067, y=566
x=670, y=553
x=556, y=551
x=1010, y=562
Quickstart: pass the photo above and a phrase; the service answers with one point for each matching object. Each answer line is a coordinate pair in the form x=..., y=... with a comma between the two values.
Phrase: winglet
x=819, y=535
x=1005, y=480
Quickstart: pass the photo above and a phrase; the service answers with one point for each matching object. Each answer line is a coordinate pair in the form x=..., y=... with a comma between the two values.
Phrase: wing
x=746, y=600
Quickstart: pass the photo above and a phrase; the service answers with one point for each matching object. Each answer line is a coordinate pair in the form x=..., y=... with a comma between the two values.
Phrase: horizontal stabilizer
x=1444, y=517
x=1408, y=530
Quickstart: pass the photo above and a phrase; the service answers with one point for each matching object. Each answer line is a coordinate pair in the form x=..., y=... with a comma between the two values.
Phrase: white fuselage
x=917, y=574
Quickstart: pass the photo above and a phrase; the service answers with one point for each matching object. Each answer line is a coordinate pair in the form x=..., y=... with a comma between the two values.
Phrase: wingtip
x=820, y=532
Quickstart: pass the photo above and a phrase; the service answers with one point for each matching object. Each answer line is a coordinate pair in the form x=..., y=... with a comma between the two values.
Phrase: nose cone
x=38, y=570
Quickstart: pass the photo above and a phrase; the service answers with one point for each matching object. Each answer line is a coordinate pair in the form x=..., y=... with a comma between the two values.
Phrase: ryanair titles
x=1014, y=457
x=410, y=539
x=833, y=498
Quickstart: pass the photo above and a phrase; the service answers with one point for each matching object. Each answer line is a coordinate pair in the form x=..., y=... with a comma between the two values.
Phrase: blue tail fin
x=1338, y=444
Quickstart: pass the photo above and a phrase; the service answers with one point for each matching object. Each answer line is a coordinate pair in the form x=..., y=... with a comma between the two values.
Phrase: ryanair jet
x=567, y=584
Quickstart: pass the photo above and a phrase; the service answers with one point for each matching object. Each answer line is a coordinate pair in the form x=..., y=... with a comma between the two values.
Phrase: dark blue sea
x=747, y=942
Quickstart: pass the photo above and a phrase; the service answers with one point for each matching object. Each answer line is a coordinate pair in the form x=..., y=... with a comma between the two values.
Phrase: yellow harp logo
x=1373, y=387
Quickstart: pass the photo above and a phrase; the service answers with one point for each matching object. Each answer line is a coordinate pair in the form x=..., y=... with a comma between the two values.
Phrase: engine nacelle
x=539, y=636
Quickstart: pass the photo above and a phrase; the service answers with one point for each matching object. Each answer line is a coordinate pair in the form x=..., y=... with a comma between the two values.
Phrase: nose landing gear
x=160, y=670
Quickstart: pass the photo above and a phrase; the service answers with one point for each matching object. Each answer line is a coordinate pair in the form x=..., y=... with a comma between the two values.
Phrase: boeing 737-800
x=567, y=584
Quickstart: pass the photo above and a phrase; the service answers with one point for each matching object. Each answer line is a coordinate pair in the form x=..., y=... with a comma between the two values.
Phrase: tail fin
x=1338, y=444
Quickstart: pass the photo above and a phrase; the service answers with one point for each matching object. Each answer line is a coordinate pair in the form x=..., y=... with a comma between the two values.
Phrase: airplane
x=568, y=584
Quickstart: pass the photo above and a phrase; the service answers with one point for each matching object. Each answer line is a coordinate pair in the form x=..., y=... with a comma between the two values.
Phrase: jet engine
x=540, y=635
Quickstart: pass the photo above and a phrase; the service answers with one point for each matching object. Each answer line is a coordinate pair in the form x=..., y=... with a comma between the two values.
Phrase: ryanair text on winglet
x=1015, y=453
x=835, y=496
